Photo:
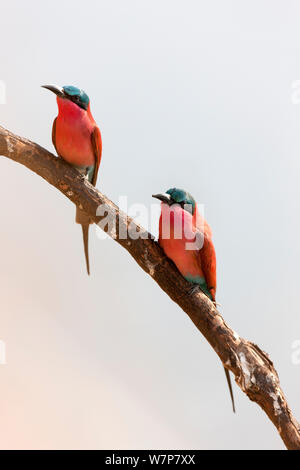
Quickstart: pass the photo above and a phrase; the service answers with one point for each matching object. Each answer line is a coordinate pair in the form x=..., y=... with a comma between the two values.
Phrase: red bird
x=186, y=238
x=77, y=140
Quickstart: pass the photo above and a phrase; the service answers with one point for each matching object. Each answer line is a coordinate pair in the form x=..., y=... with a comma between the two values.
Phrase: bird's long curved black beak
x=163, y=197
x=59, y=91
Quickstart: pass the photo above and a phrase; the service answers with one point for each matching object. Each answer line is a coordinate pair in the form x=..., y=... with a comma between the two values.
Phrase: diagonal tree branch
x=253, y=370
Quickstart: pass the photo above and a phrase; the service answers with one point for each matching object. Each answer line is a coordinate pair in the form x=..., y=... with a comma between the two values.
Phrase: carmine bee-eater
x=77, y=139
x=186, y=239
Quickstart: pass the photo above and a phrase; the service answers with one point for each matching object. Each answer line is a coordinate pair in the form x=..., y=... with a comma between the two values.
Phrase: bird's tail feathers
x=84, y=220
x=230, y=387
x=82, y=217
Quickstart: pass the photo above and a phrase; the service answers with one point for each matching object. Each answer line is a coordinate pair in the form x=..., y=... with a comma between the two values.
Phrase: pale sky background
x=194, y=94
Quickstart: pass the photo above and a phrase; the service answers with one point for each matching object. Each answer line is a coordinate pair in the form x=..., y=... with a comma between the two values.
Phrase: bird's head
x=178, y=196
x=71, y=93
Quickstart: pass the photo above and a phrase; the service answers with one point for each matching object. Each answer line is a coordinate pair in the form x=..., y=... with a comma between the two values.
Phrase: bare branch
x=253, y=370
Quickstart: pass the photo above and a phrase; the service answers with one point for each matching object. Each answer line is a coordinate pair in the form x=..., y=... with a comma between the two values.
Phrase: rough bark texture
x=253, y=370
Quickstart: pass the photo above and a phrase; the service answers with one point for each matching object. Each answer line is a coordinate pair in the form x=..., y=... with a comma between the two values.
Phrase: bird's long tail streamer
x=85, y=234
x=227, y=373
x=83, y=219
x=230, y=387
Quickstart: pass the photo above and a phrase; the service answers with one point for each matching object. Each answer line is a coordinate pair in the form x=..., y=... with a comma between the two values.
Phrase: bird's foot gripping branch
x=253, y=370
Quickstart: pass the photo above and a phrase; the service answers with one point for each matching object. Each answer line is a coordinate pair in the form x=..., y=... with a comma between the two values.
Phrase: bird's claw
x=194, y=289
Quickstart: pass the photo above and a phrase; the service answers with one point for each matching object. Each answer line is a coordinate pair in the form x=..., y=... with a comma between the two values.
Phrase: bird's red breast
x=73, y=130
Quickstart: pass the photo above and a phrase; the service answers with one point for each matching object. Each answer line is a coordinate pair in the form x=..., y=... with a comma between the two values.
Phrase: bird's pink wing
x=207, y=262
x=54, y=134
x=97, y=148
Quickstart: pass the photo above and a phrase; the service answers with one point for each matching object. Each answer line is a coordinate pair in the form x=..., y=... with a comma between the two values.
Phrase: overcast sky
x=193, y=94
